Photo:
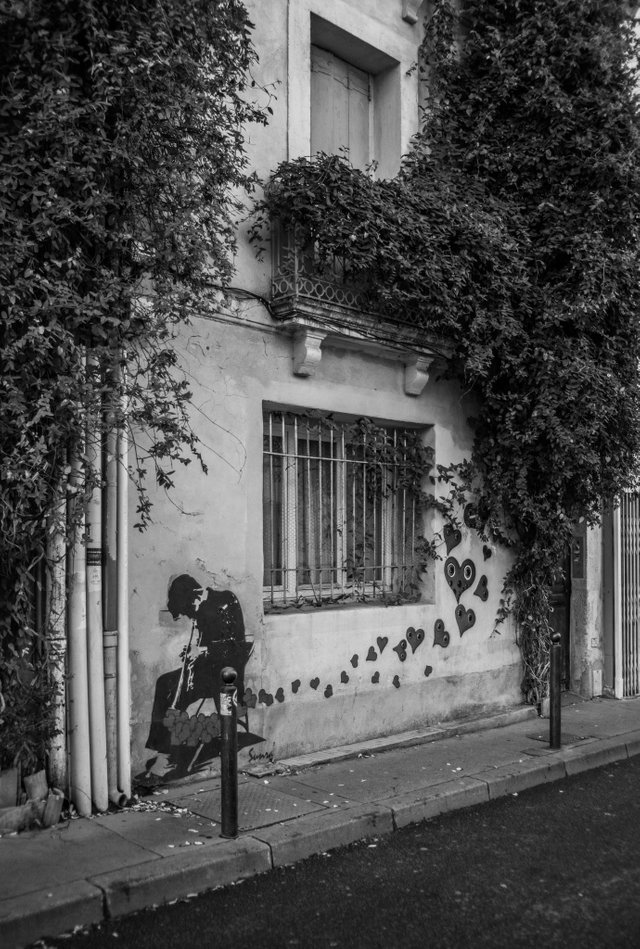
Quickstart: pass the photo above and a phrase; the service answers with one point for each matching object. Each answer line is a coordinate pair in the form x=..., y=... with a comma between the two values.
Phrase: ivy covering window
x=342, y=511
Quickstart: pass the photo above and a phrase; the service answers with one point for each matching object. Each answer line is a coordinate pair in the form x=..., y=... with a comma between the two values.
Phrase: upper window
x=342, y=518
x=341, y=108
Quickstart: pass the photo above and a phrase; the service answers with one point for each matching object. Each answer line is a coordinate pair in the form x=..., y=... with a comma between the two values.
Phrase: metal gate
x=626, y=539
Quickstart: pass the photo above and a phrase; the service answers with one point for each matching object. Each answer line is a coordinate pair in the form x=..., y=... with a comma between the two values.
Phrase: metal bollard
x=555, y=670
x=229, y=753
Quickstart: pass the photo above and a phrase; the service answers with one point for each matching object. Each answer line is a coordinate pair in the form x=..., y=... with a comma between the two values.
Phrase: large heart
x=415, y=637
x=452, y=537
x=459, y=576
x=464, y=618
x=440, y=636
x=382, y=642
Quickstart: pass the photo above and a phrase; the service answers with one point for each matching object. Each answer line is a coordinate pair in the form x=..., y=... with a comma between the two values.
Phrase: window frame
x=398, y=520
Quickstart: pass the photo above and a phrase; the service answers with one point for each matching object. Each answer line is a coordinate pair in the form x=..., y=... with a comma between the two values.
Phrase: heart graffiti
x=452, y=537
x=415, y=637
x=464, y=618
x=440, y=635
x=459, y=576
x=401, y=649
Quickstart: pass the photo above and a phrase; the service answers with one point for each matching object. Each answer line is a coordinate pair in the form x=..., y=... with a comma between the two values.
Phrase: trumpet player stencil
x=184, y=732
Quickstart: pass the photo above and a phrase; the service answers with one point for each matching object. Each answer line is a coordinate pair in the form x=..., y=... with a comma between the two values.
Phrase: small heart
x=401, y=649
x=486, y=552
x=459, y=576
x=428, y=670
x=280, y=695
x=382, y=642
x=415, y=637
x=396, y=681
x=265, y=697
x=482, y=590
x=354, y=661
x=249, y=699
x=375, y=678
x=452, y=537
x=295, y=685
x=328, y=692
x=315, y=683
x=464, y=618
x=372, y=655
x=440, y=636
x=344, y=677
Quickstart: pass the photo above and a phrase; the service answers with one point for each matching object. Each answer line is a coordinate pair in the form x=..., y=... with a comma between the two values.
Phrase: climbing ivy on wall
x=121, y=141
x=511, y=233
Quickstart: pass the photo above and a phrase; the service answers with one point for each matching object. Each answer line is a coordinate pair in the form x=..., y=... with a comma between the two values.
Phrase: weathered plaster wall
x=325, y=676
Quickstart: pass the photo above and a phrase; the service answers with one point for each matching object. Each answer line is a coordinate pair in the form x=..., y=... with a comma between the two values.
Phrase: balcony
x=317, y=305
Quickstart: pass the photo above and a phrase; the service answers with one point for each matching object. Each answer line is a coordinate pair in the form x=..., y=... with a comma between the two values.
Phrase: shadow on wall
x=184, y=736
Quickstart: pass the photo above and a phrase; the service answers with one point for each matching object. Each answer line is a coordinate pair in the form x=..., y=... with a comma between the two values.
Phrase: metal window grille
x=340, y=520
x=630, y=592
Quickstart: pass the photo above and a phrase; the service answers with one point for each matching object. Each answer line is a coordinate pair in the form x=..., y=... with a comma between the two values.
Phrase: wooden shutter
x=340, y=107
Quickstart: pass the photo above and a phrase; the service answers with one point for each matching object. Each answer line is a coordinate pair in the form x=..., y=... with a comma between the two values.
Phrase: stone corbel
x=306, y=351
x=410, y=10
x=416, y=374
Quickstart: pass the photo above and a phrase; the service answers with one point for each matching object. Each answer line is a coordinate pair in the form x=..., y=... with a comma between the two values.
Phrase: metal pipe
x=229, y=753
x=555, y=707
x=78, y=682
x=122, y=557
x=95, y=651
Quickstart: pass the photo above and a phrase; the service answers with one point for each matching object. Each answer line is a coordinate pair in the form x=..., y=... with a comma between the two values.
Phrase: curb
x=56, y=910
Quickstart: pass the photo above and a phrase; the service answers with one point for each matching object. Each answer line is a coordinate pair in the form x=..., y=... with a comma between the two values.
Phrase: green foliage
x=511, y=232
x=121, y=150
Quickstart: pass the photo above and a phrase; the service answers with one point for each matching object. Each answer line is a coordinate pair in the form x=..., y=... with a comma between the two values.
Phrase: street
x=555, y=865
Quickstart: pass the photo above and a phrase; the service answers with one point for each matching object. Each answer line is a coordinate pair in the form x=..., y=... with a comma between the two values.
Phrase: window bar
x=403, y=578
x=342, y=511
x=320, y=515
x=272, y=514
x=289, y=436
x=332, y=522
x=354, y=470
x=364, y=509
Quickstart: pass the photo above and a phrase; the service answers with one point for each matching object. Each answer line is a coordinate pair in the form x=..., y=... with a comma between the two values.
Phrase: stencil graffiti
x=184, y=731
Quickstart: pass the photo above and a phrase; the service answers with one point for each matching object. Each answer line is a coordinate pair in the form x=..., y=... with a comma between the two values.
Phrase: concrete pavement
x=168, y=846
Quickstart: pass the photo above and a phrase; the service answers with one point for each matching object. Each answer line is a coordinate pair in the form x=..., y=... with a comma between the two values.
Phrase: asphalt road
x=554, y=866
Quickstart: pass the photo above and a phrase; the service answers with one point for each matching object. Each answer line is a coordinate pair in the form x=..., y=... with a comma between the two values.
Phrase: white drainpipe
x=124, y=689
x=95, y=649
x=110, y=614
x=78, y=684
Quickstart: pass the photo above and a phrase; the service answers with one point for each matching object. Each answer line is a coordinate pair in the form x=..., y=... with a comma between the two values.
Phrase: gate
x=626, y=560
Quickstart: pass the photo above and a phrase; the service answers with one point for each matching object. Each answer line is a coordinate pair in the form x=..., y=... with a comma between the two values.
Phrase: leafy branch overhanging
x=511, y=234
x=121, y=157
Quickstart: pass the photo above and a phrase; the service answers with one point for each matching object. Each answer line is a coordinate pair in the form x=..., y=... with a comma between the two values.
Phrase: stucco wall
x=210, y=528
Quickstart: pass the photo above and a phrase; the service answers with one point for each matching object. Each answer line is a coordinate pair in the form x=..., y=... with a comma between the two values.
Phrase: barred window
x=341, y=511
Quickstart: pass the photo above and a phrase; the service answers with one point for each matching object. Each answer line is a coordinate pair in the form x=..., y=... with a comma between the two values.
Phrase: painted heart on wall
x=464, y=618
x=428, y=670
x=452, y=537
x=265, y=697
x=440, y=635
x=250, y=699
x=315, y=683
x=482, y=590
x=459, y=576
x=344, y=678
x=415, y=637
x=375, y=678
x=354, y=661
x=295, y=685
x=372, y=655
x=280, y=694
x=382, y=642
x=396, y=682
x=328, y=692
x=401, y=649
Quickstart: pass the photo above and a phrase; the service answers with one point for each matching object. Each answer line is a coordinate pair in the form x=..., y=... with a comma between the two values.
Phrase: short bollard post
x=229, y=753
x=555, y=664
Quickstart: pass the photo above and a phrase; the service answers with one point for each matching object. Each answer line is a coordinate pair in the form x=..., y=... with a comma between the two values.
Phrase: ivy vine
x=511, y=233
x=121, y=144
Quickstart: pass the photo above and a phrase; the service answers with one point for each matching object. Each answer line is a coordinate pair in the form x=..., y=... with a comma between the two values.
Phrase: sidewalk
x=82, y=871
